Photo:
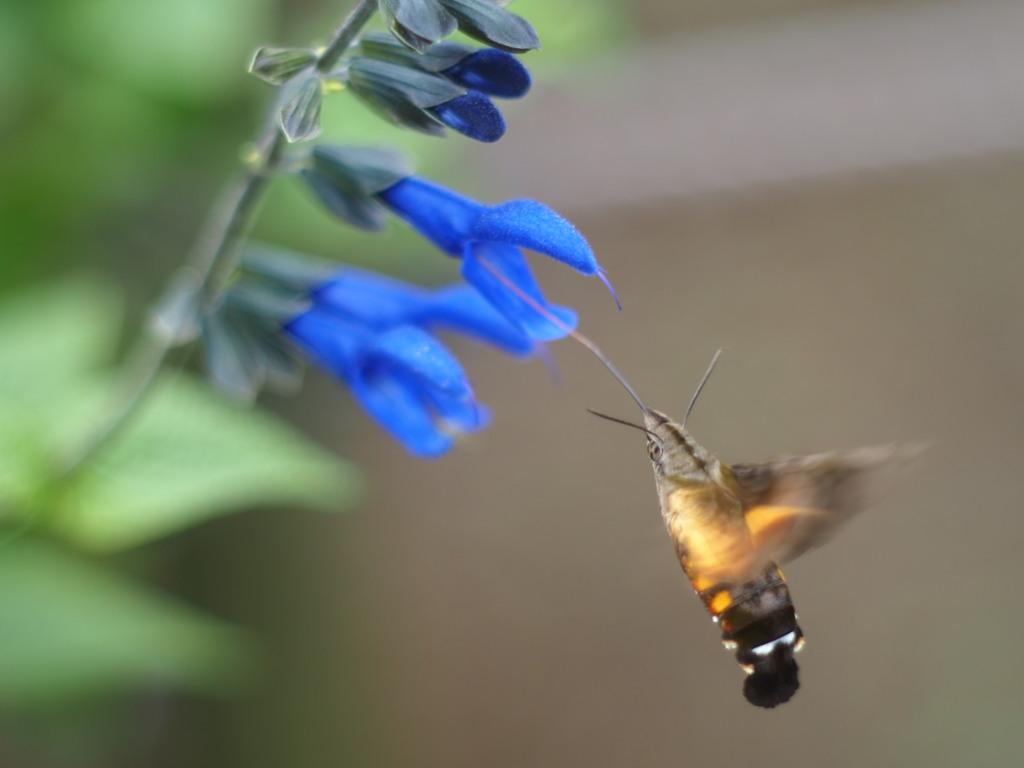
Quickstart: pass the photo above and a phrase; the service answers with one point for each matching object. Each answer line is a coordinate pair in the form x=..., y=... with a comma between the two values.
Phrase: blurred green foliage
x=72, y=627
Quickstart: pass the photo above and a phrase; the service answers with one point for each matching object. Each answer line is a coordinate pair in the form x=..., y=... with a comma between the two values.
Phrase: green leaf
x=190, y=455
x=51, y=338
x=72, y=629
x=187, y=456
x=52, y=332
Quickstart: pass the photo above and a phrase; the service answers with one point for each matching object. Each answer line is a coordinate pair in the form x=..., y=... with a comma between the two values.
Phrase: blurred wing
x=797, y=503
x=714, y=547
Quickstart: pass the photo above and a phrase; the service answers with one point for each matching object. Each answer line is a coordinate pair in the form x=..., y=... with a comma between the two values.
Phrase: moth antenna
x=595, y=350
x=703, y=381
x=623, y=421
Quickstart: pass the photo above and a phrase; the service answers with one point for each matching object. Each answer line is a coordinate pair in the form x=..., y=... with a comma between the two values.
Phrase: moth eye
x=653, y=450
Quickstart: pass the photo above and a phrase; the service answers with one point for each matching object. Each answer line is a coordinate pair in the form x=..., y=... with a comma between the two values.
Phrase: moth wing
x=796, y=503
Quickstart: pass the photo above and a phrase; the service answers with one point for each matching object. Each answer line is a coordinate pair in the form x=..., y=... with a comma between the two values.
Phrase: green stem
x=212, y=259
x=345, y=34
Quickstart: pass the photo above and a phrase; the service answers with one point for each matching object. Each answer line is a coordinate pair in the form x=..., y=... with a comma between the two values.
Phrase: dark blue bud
x=472, y=115
x=492, y=72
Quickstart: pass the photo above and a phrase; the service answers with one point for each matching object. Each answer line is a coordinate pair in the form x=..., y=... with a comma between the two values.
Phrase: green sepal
x=401, y=93
x=272, y=303
x=400, y=111
x=370, y=169
x=300, y=110
x=278, y=65
x=232, y=364
x=417, y=23
x=282, y=369
x=484, y=21
x=346, y=202
x=277, y=266
x=346, y=180
x=244, y=347
x=439, y=57
x=420, y=88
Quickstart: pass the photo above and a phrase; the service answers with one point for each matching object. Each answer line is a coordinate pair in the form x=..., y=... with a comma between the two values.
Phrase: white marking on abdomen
x=766, y=648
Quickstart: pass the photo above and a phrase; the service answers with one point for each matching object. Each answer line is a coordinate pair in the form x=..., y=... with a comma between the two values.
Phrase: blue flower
x=373, y=333
x=488, y=239
x=485, y=72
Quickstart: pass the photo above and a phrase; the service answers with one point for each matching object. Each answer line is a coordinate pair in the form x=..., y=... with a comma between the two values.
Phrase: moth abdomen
x=773, y=677
x=758, y=622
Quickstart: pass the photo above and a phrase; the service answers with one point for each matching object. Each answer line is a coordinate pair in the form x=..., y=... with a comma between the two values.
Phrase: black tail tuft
x=774, y=679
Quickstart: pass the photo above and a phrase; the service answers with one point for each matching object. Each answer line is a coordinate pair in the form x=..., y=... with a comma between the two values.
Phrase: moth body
x=732, y=525
x=703, y=509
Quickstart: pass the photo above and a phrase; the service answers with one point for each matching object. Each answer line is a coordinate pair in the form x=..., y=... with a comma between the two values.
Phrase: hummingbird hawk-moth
x=733, y=525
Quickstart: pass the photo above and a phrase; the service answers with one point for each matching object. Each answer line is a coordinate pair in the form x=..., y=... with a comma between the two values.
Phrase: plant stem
x=345, y=34
x=211, y=260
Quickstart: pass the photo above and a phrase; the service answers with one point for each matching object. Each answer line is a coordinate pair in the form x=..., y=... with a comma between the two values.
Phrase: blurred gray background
x=833, y=191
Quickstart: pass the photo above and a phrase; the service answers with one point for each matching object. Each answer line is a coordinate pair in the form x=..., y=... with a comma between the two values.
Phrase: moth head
x=672, y=449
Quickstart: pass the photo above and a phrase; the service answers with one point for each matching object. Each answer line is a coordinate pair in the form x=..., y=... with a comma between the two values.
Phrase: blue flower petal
x=456, y=415
x=414, y=368
x=472, y=115
x=365, y=297
x=493, y=72
x=335, y=345
x=440, y=215
x=370, y=331
x=404, y=378
x=422, y=357
x=399, y=407
x=530, y=224
x=379, y=302
x=510, y=263
x=462, y=308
